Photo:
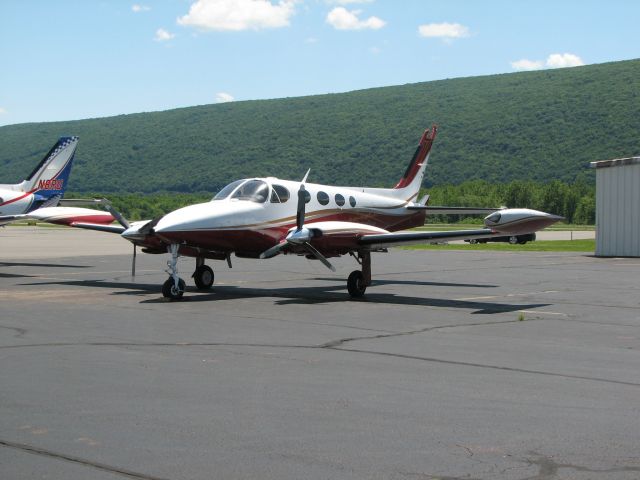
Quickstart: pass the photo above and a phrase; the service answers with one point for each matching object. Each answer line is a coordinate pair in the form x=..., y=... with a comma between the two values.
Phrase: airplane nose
x=207, y=216
x=139, y=230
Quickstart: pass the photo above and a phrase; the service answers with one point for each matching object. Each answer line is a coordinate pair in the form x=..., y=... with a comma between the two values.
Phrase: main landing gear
x=174, y=287
x=203, y=275
x=358, y=281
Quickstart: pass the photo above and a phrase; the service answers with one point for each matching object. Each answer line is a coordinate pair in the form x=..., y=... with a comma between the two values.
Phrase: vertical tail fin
x=49, y=178
x=412, y=178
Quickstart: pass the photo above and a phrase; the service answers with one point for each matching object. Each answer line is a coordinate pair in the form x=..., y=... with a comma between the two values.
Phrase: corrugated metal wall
x=618, y=210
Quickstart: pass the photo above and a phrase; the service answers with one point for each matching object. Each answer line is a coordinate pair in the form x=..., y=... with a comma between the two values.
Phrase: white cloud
x=3, y=111
x=237, y=15
x=342, y=19
x=561, y=60
x=162, y=35
x=223, y=97
x=525, y=64
x=347, y=2
x=311, y=40
x=555, y=60
x=137, y=8
x=443, y=30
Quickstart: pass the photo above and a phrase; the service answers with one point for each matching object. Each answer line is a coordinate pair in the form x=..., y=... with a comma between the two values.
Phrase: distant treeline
x=575, y=201
x=542, y=126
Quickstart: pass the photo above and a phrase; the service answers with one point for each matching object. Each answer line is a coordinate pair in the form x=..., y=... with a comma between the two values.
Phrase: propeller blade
x=301, y=207
x=133, y=261
x=319, y=256
x=301, y=202
x=116, y=214
x=273, y=251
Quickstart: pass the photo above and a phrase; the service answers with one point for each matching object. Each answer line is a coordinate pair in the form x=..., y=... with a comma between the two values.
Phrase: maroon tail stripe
x=418, y=158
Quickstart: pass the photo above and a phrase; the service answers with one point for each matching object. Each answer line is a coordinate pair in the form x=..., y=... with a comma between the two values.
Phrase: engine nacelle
x=519, y=221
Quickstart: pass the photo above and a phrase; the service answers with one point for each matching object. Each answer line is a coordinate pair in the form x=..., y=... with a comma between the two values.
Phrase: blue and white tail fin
x=48, y=180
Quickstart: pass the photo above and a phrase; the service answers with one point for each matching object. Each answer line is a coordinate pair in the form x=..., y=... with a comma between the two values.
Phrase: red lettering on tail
x=53, y=184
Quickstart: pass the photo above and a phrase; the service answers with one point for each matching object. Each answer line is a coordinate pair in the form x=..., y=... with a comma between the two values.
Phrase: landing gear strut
x=174, y=287
x=203, y=275
x=358, y=281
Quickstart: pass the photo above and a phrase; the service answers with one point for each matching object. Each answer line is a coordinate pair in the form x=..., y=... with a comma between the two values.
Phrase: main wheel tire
x=473, y=241
x=169, y=289
x=356, y=284
x=513, y=240
x=203, y=277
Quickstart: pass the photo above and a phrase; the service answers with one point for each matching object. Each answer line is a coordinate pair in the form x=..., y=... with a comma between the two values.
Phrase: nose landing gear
x=174, y=287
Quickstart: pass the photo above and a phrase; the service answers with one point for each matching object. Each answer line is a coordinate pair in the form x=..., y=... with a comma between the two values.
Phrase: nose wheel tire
x=169, y=289
x=356, y=284
x=203, y=277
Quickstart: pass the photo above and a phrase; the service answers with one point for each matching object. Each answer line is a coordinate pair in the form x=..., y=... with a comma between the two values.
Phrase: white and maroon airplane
x=37, y=196
x=265, y=217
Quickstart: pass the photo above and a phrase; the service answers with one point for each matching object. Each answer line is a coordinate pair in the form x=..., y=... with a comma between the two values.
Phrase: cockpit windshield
x=252, y=190
x=226, y=191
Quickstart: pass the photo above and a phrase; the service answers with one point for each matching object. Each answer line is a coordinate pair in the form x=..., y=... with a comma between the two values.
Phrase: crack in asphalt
x=81, y=461
x=20, y=332
x=339, y=345
x=488, y=366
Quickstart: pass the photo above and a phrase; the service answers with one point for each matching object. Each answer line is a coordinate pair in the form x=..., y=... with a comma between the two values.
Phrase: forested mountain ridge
x=544, y=125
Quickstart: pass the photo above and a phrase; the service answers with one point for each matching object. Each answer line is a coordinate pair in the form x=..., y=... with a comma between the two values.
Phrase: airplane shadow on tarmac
x=46, y=265
x=306, y=295
x=26, y=264
x=379, y=281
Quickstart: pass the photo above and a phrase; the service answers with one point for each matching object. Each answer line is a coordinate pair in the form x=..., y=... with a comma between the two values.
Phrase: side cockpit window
x=253, y=190
x=279, y=194
x=226, y=191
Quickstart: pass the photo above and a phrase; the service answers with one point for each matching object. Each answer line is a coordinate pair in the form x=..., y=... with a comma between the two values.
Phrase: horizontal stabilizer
x=4, y=219
x=454, y=210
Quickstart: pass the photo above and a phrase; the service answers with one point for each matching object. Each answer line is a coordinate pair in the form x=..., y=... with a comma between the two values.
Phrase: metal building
x=618, y=207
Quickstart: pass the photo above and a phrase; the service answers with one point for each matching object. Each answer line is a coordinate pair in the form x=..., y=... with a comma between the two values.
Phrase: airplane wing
x=64, y=216
x=514, y=221
x=384, y=240
x=339, y=237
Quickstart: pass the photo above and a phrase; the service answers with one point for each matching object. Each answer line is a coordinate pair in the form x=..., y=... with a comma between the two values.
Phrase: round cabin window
x=323, y=198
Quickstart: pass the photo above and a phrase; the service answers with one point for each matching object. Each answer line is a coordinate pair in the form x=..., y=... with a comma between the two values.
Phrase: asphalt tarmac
x=456, y=365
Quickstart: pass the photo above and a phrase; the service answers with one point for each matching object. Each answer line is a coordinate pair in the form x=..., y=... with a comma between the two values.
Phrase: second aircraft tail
x=49, y=178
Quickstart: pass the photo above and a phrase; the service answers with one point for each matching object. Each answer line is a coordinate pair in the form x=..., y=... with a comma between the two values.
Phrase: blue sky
x=65, y=60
